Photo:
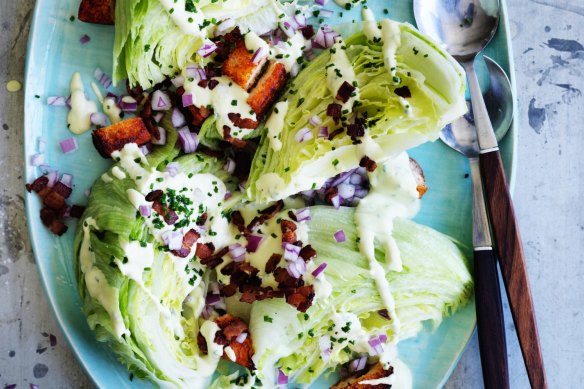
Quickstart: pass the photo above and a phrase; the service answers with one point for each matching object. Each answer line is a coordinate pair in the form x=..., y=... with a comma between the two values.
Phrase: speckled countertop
x=548, y=39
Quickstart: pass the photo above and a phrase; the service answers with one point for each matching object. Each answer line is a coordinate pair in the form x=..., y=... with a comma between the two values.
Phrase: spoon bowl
x=463, y=27
x=461, y=134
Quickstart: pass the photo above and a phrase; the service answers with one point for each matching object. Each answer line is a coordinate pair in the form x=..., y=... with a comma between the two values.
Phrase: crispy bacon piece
x=97, y=11
x=53, y=200
x=300, y=297
x=198, y=114
x=189, y=240
x=284, y=279
x=307, y=253
x=267, y=89
x=216, y=259
x=38, y=184
x=247, y=123
x=368, y=164
x=420, y=179
x=240, y=68
x=239, y=222
x=235, y=142
x=205, y=250
x=114, y=137
x=230, y=327
x=273, y=262
x=354, y=381
x=345, y=91
x=288, y=231
x=266, y=214
x=169, y=216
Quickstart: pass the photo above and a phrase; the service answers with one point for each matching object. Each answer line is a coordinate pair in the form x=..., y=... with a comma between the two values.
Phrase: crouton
x=267, y=89
x=240, y=68
x=354, y=381
x=96, y=11
x=109, y=139
x=420, y=179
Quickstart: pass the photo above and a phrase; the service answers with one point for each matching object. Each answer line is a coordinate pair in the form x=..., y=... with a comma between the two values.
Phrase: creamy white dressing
x=230, y=353
x=79, y=117
x=138, y=256
x=108, y=105
x=406, y=106
x=96, y=283
x=253, y=42
x=371, y=29
x=391, y=36
x=106, y=178
x=287, y=53
x=338, y=71
x=227, y=97
x=118, y=173
x=275, y=124
x=400, y=379
x=271, y=186
x=393, y=194
x=187, y=21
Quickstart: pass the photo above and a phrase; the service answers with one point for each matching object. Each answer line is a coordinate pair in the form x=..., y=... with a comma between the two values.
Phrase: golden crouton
x=354, y=381
x=96, y=11
x=109, y=139
x=240, y=68
x=267, y=89
x=420, y=179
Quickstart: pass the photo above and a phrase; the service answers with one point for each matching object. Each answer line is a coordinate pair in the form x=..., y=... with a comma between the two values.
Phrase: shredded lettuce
x=434, y=79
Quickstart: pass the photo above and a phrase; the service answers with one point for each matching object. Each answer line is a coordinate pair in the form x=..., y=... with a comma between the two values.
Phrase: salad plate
x=60, y=45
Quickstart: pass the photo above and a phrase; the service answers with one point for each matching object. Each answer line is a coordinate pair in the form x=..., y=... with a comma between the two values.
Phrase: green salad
x=257, y=231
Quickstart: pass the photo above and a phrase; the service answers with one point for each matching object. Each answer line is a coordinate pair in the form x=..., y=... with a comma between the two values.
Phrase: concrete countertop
x=548, y=40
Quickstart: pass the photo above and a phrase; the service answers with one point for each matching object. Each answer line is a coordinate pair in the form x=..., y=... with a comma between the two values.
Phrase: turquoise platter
x=55, y=52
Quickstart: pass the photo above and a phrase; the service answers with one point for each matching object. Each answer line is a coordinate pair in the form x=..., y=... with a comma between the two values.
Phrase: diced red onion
x=291, y=252
x=241, y=337
x=288, y=27
x=361, y=193
x=358, y=364
x=207, y=312
x=326, y=13
x=177, y=118
x=229, y=166
x=282, y=378
x=300, y=20
x=315, y=120
x=316, y=272
x=336, y=201
x=221, y=305
x=340, y=236
x=67, y=180
x=53, y=176
x=57, y=101
x=325, y=37
x=296, y=268
x=160, y=101
x=178, y=81
x=10, y=386
x=383, y=338
x=339, y=179
x=303, y=214
x=33, y=386
x=98, y=119
x=207, y=49
x=212, y=299
x=102, y=78
x=320, y=2
x=84, y=39
x=172, y=168
x=309, y=53
x=253, y=243
x=228, y=195
x=259, y=54
x=145, y=149
x=187, y=100
x=224, y=26
x=323, y=132
x=37, y=159
x=237, y=252
x=356, y=179
x=346, y=191
x=175, y=239
x=214, y=287
x=44, y=168
x=68, y=145
x=68, y=102
x=324, y=344
x=161, y=135
x=128, y=104
x=145, y=210
x=158, y=117
x=188, y=140
x=303, y=134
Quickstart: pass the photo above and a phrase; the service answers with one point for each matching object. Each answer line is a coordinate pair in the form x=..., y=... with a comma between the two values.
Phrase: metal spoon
x=465, y=27
x=461, y=136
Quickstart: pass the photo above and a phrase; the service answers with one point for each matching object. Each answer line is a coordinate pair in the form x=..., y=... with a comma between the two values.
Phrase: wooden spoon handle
x=490, y=322
x=512, y=262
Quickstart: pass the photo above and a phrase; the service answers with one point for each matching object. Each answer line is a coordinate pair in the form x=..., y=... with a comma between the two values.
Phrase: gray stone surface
x=548, y=40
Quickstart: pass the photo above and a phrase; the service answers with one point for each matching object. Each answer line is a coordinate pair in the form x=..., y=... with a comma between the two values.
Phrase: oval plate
x=55, y=52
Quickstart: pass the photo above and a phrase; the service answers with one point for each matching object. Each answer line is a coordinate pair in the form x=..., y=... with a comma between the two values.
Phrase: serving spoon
x=464, y=28
x=461, y=136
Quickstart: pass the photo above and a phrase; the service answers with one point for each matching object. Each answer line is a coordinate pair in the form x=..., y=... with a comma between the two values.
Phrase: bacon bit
x=48, y=216
x=230, y=328
x=292, y=216
x=368, y=164
x=247, y=123
x=228, y=290
x=334, y=110
x=169, y=216
x=226, y=44
x=235, y=142
x=301, y=297
x=307, y=253
x=344, y=92
x=76, y=211
x=403, y=91
x=204, y=250
x=273, y=262
x=198, y=114
x=307, y=32
x=38, y=184
x=202, y=219
x=289, y=237
x=265, y=215
x=285, y=281
x=58, y=227
x=216, y=259
x=336, y=132
x=203, y=83
x=239, y=222
x=287, y=226
x=54, y=200
x=154, y=195
x=62, y=189
x=355, y=130
x=330, y=193
x=188, y=241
